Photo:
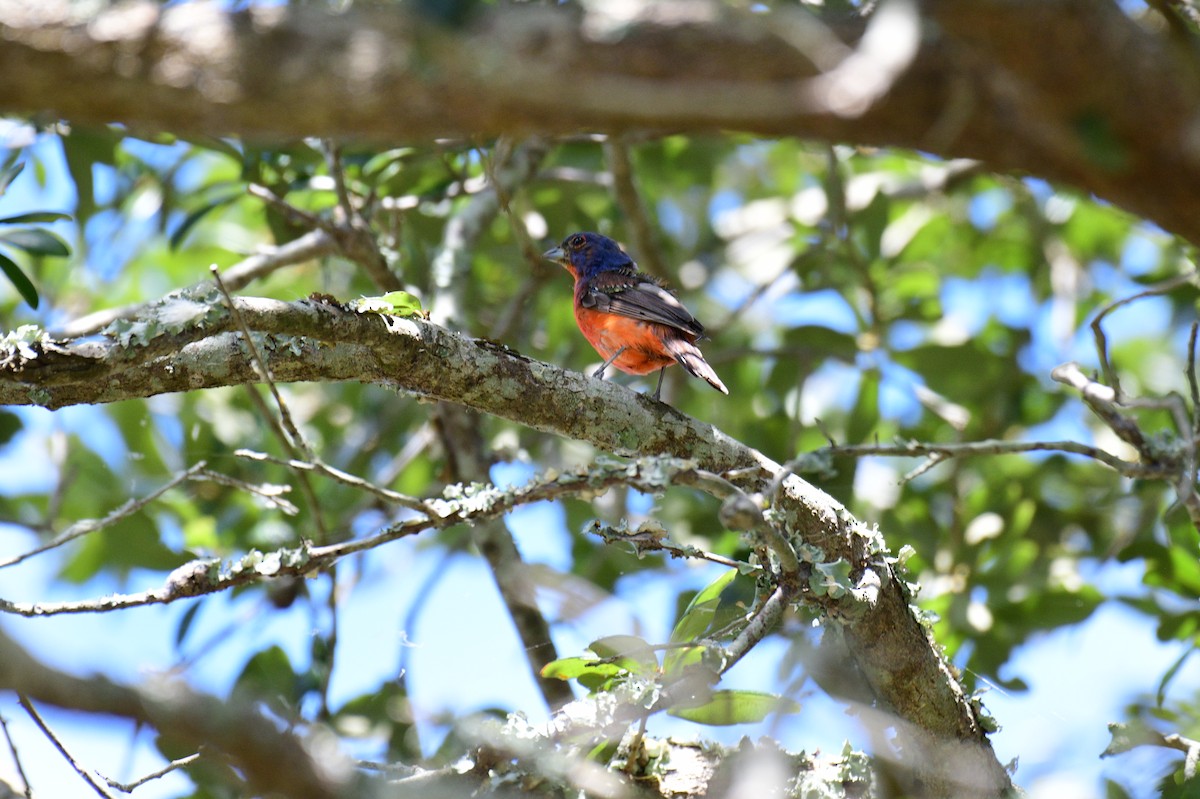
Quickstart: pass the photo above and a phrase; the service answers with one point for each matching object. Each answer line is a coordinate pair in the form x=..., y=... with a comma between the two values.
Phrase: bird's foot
x=599, y=373
x=658, y=388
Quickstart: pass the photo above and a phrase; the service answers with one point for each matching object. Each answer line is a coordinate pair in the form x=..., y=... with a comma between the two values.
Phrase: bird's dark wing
x=638, y=296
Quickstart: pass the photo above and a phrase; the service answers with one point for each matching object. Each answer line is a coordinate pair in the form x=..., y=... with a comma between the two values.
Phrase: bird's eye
x=577, y=242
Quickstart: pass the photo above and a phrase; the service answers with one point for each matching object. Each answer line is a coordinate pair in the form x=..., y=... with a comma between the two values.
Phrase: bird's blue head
x=588, y=254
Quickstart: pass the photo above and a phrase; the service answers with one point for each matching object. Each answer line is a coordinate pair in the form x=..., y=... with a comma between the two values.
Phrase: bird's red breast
x=644, y=352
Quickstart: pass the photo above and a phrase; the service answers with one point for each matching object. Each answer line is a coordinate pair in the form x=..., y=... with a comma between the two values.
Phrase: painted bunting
x=633, y=322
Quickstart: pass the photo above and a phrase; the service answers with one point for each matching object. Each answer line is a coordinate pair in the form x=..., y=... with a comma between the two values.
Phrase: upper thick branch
x=1070, y=90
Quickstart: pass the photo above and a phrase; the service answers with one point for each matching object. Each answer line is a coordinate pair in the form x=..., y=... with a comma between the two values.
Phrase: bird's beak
x=556, y=254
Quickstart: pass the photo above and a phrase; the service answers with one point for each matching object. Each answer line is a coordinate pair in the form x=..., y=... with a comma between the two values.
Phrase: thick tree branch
x=1071, y=90
x=313, y=341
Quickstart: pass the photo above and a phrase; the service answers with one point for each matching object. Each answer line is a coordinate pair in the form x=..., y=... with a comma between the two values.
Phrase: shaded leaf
x=628, y=651
x=22, y=283
x=36, y=216
x=190, y=221
x=268, y=676
x=36, y=241
x=185, y=623
x=9, y=173
x=736, y=707
x=699, y=613
x=1170, y=675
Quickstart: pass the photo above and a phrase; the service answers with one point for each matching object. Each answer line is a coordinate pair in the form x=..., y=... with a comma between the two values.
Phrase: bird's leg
x=599, y=373
x=658, y=388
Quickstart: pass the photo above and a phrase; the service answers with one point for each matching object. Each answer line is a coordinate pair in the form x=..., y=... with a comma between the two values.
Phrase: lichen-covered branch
x=474, y=503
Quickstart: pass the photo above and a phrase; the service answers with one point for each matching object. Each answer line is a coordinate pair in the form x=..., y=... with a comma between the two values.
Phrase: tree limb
x=1032, y=87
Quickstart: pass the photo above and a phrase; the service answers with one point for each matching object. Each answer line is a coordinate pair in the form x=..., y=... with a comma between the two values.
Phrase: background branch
x=271, y=760
x=705, y=68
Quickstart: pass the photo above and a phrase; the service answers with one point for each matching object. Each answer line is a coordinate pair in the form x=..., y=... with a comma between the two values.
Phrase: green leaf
x=389, y=159
x=718, y=605
x=36, y=241
x=185, y=623
x=872, y=221
x=385, y=711
x=736, y=707
x=700, y=611
x=573, y=668
x=84, y=149
x=22, y=284
x=604, y=751
x=216, y=145
x=195, y=216
x=1170, y=675
x=36, y=216
x=10, y=425
x=9, y=173
x=395, y=303
x=864, y=419
x=269, y=676
x=627, y=651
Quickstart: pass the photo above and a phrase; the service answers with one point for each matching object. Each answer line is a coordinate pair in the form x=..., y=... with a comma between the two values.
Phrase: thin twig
x=540, y=269
x=317, y=465
x=293, y=441
x=297, y=441
x=1110, y=376
x=1189, y=747
x=86, y=526
x=354, y=235
x=269, y=493
x=174, y=765
x=633, y=754
x=971, y=449
x=12, y=748
x=1193, y=383
x=1103, y=401
x=331, y=642
x=760, y=624
x=629, y=200
x=464, y=505
x=748, y=510
x=296, y=215
x=333, y=161
x=652, y=541
x=418, y=442
x=923, y=467
x=80, y=770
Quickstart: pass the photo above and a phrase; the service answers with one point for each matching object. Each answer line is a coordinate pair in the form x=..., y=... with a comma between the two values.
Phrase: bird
x=632, y=320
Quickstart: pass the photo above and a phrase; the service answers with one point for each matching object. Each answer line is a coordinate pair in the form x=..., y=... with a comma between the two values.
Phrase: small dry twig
x=80, y=770
x=12, y=748
x=174, y=765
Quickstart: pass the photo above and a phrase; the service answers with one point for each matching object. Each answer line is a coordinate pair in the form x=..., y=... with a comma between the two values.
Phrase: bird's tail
x=689, y=357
